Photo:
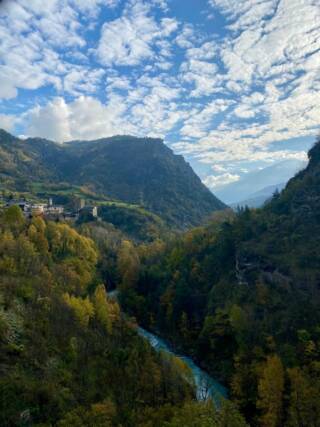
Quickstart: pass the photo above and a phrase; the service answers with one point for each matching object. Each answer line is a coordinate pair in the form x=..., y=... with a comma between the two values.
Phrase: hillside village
x=50, y=210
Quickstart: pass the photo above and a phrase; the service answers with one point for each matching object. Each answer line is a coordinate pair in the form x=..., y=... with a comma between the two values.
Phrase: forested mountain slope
x=68, y=356
x=142, y=171
x=243, y=296
x=146, y=171
x=21, y=162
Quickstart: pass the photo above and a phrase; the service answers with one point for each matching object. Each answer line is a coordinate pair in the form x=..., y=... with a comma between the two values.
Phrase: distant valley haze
x=268, y=179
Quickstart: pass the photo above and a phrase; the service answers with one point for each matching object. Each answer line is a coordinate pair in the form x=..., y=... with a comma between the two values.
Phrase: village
x=50, y=210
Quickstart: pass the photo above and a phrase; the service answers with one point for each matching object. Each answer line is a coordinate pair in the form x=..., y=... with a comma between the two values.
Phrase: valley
x=218, y=321
x=205, y=386
x=159, y=213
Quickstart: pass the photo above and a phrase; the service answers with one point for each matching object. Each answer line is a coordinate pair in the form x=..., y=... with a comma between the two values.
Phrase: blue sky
x=231, y=84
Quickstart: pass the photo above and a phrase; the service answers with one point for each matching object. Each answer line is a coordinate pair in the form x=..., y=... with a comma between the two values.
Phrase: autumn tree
x=82, y=308
x=13, y=218
x=128, y=264
x=304, y=398
x=270, y=392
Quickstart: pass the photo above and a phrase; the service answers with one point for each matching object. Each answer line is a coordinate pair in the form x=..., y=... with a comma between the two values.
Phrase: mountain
x=68, y=356
x=259, y=198
x=255, y=181
x=141, y=171
x=23, y=161
x=242, y=295
x=144, y=171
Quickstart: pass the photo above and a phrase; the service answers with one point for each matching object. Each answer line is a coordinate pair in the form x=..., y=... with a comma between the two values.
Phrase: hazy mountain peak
x=257, y=180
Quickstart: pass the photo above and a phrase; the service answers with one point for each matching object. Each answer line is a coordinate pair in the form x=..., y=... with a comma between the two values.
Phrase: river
x=206, y=386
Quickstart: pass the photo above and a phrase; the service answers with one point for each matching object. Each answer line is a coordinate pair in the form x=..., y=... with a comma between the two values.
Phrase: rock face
x=134, y=170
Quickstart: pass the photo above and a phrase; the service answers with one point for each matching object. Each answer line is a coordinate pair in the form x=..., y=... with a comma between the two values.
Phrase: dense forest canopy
x=68, y=356
x=242, y=296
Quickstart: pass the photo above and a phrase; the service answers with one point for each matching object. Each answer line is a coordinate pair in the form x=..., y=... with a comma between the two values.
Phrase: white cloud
x=81, y=80
x=118, y=82
x=217, y=181
x=26, y=62
x=83, y=118
x=207, y=50
x=230, y=148
x=235, y=92
x=7, y=122
x=91, y=7
x=202, y=75
x=33, y=39
x=148, y=111
x=218, y=168
x=155, y=108
x=39, y=43
x=243, y=112
x=51, y=121
x=130, y=39
x=273, y=46
x=168, y=26
x=162, y=4
x=186, y=37
x=200, y=121
x=245, y=13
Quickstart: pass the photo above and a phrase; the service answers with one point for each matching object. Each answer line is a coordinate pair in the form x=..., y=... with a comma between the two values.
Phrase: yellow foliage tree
x=13, y=217
x=7, y=259
x=101, y=306
x=39, y=224
x=128, y=263
x=304, y=402
x=36, y=234
x=270, y=390
x=102, y=413
x=82, y=308
x=65, y=241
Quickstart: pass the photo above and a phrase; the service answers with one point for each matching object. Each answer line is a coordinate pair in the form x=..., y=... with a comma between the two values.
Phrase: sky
x=233, y=85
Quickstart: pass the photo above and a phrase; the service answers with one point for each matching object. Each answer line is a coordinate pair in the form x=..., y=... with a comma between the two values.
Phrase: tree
x=101, y=307
x=36, y=233
x=205, y=415
x=183, y=326
x=304, y=399
x=82, y=308
x=239, y=323
x=270, y=392
x=14, y=218
x=128, y=264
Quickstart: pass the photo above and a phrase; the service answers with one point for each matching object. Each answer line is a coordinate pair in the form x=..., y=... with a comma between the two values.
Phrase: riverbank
x=206, y=386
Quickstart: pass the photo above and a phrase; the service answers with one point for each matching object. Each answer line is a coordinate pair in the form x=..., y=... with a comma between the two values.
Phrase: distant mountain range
x=259, y=198
x=263, y=180
x=142, y=171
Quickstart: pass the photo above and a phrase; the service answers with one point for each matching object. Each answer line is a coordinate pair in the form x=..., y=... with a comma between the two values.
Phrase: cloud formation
x=131, y=39
x=221, y=92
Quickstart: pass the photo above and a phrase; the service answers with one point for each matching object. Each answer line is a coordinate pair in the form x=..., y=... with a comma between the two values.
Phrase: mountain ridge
x=134, y=170
x=259, y=198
